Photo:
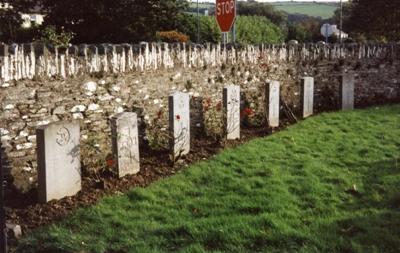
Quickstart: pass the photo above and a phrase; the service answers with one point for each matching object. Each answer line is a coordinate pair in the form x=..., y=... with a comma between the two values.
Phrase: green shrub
x=249, y=30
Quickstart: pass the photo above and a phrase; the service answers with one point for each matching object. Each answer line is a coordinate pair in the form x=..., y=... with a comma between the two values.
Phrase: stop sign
x=225, y=11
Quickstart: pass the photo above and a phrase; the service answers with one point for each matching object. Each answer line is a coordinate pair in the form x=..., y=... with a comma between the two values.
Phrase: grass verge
x=328, y=184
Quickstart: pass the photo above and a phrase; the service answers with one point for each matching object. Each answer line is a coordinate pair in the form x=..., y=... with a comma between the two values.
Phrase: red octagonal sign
x=225, y=11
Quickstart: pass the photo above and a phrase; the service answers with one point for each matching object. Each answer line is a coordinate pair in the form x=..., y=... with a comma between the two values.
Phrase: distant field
x=323, y=10
x=311, y=9
x=201, y=5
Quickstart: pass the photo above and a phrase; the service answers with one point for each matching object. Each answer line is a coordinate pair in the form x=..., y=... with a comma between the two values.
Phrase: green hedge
x=249, y=30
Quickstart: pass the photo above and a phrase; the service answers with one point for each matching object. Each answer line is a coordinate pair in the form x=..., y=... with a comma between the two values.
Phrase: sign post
x=225, y=13
x=326, y=31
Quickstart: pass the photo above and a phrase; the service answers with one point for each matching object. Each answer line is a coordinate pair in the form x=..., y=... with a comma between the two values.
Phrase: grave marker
x=307, y=96
x=59, y=165
x=231, y=96
x=347, y=91
x=272, y=97
x=125, y=143
x=179, y=122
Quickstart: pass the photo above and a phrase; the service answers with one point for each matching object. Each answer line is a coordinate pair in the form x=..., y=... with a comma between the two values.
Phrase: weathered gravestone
x=179, y=122
x=272, y=101
x=231, y=97
x=59, y=165
x=347, y=91
x=307, y=96
x=125, y=143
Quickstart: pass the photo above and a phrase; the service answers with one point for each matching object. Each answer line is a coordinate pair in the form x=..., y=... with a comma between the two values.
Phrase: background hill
x=323, y=10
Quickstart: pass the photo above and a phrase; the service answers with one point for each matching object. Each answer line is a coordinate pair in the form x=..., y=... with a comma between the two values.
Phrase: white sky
x=282, y=1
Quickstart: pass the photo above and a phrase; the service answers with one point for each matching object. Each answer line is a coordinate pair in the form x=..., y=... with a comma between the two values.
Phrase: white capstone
x=32, y=138
x=23, y=134
x=93, y=107
x=78, y=108
x=77, y=115
x=43, y=122
x=4, y=131
x=23, y=146
x=9, y=107
x=91, y=86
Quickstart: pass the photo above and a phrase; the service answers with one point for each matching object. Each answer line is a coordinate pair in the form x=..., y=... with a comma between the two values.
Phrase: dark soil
x=24, y=209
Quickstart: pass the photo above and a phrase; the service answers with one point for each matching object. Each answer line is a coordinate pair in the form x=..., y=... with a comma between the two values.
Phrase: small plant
x=158, y=138
x=213, y=118
x=61, y=38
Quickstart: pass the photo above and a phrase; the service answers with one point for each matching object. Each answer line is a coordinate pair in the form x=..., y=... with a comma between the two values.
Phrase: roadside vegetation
x=327, y=184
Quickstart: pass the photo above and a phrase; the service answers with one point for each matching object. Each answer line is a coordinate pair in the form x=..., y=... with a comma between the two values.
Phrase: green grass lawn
x=289, y=192
x=310, y=9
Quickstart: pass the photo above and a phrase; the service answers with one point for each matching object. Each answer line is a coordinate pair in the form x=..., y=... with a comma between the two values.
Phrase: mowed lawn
x=310, y=9
x=328, y=184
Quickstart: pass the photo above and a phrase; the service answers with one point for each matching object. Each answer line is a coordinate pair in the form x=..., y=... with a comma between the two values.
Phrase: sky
x=266, y=1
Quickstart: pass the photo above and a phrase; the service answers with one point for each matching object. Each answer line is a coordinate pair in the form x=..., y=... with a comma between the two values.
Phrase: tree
x=114, y=21
x=304, y=28
x=374, y=20
x=257, y=30
x=10, y=20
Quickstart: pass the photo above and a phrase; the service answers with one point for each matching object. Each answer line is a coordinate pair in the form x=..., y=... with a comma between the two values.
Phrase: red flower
x=110, y=162
x=247, y=112
x=178, y=117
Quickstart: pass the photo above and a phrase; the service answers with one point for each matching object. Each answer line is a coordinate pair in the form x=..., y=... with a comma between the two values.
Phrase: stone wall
x=39, y=85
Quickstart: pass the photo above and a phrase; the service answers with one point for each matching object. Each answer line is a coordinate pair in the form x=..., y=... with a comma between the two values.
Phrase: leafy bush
x=172, y=36
x=249, y=30
x=255, y=29
x=51, y=36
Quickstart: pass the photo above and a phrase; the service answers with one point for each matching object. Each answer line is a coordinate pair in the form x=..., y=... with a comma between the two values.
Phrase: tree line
x=117, y=21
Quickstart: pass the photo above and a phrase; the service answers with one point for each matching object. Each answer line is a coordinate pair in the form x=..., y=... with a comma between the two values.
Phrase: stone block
x=307, y=96
x=125, y=143
x=347, y=91
x=179, y=122
x=272, y=97
x=59, y=165
x=231, y=98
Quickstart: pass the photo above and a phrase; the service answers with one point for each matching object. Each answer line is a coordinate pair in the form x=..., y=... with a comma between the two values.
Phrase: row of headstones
x=59, y=165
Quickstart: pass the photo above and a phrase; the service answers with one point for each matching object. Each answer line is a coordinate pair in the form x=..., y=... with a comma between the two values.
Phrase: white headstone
x=59, y=163
x=272, y=97
x=125, y=143
x=179, y=121
x=307, y=96
x=231, y=97
x=347, y=91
